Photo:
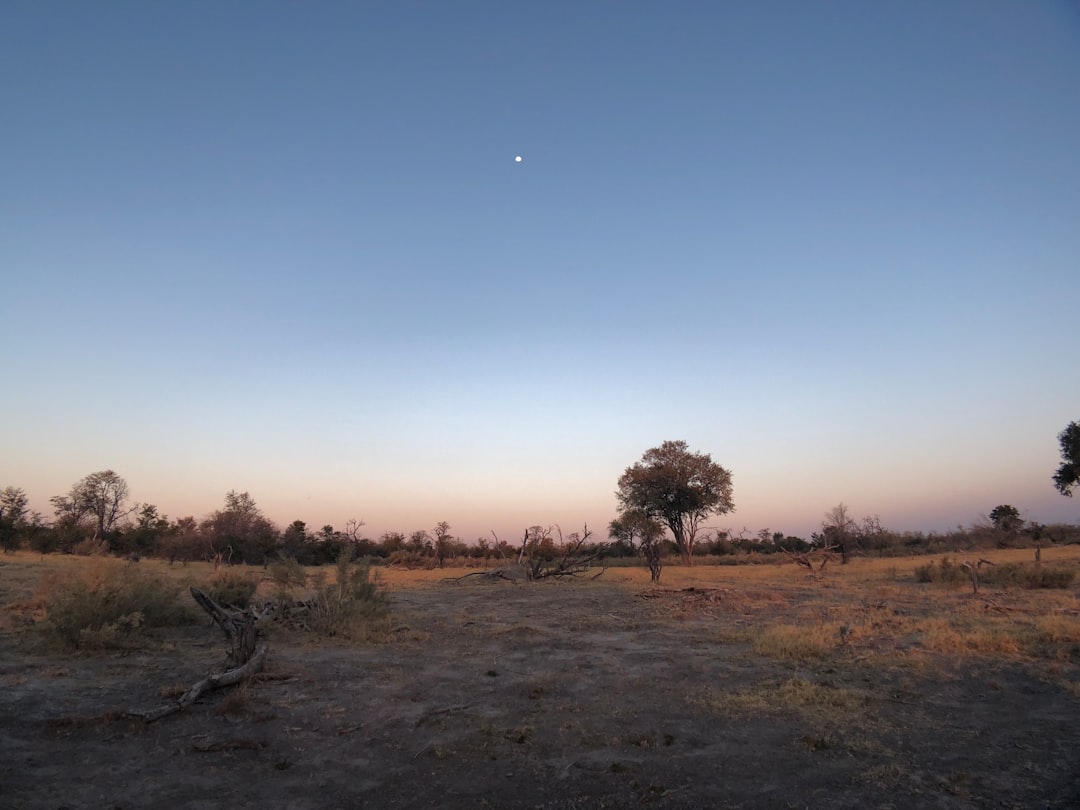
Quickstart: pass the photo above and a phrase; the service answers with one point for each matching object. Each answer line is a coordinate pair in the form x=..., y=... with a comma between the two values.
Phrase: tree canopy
x=240, y=528
x=1006, y=518
x=679, y=488
x=99, y=500
x=1067, y=477
x=640, y=533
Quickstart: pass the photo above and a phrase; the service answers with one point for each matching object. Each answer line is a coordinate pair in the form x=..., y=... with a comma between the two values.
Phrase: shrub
x=353, y=605
x=1027, y=575
x=407, y=558
x=230, y=587
x=1018, y=575
x=945, y=572
x=107, y=604
x=287, y=574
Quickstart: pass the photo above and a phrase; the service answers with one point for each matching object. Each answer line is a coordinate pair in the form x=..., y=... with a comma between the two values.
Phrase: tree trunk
x=239, y=628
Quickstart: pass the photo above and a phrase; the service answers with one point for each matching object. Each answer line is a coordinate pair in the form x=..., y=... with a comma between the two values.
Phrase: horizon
x=505, y=530
x=292, y=253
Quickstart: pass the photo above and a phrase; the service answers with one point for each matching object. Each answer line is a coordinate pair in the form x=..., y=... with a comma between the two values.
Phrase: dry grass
x=866, y=608
x=791, y=694
x=797, y=644
x=232, y=587
x=106, y=604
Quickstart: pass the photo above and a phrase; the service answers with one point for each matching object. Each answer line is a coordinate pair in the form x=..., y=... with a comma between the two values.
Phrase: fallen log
x=511, y=574
x=207, y=684
x=239, y=628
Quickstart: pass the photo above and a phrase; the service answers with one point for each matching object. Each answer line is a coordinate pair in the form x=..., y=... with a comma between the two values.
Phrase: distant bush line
x=186, y=540
x=97, y=517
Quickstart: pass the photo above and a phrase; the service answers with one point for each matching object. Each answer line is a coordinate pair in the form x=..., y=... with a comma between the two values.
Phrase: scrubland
x=882, y=683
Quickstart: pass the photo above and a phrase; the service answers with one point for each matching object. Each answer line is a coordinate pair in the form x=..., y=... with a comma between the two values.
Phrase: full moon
x=517, y=159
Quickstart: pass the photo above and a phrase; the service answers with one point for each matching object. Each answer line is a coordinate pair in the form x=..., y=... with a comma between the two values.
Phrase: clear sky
x=285, y=248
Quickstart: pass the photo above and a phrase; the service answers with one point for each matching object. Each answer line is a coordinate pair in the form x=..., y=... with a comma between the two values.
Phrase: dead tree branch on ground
x=572, y=557
x=240, y=628
x=207, y=684
x=806, y=559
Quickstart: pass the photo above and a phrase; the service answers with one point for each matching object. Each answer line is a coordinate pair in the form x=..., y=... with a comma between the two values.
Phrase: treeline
x=95, y=516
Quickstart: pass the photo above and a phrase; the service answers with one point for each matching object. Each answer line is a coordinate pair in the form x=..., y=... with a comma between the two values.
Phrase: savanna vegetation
x=887, y=681
x=880, y=667
x=667, y=501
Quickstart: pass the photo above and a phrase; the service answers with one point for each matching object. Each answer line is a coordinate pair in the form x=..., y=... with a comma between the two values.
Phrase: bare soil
x=549, y=695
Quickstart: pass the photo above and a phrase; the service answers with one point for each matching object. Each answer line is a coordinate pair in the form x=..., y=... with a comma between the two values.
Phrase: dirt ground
x=606, y=694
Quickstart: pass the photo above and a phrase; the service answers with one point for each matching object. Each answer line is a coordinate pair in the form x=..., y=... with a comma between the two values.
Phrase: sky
x=286, y=249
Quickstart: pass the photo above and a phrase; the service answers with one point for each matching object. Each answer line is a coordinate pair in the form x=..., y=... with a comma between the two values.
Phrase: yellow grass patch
x=792, y=643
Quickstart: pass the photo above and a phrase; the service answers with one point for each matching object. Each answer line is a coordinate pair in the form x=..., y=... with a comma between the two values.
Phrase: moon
x=517, y=159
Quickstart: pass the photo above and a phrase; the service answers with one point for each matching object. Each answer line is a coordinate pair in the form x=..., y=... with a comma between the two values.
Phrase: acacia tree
x=1067, y=477
x=643, y=534
x=679, y=488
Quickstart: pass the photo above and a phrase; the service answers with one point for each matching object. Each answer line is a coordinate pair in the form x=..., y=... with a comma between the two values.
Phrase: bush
x=1027, y=575
x=407, y=558
x=945, y=572
x=287, y=574
x=107, y=604
x=353, y=605
x=230, y=587
x=1017, y=575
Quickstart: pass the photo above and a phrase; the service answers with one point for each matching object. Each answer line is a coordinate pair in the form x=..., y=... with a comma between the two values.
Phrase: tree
x=1067, y=477
x=185, y=541
x=147, y=533
x=1006, y=518
x=97, y=501
x=13, y=506
x=241, y=529
x=679, y=488
x=390, y=542
x=420, y=542
x=442, y=542
x=294, y=539
x=634, y=525
x=838, y=529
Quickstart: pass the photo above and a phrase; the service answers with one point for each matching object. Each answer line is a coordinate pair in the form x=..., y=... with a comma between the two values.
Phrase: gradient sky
x=285, y=248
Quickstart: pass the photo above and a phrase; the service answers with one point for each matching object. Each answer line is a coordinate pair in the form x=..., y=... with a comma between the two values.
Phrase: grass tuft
x=786, y=642
x=287, y=574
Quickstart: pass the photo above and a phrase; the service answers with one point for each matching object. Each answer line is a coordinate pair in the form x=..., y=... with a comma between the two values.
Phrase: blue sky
x=285, y=248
